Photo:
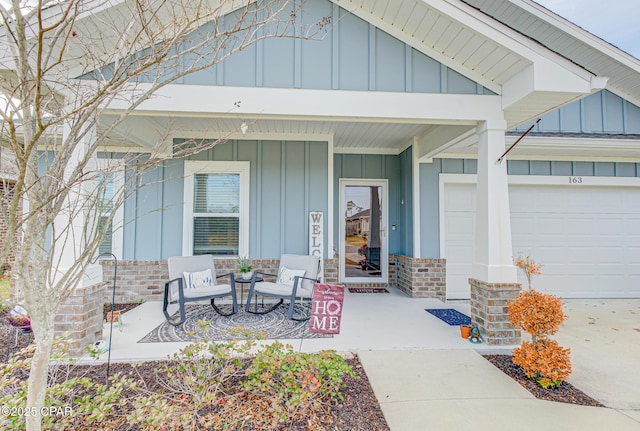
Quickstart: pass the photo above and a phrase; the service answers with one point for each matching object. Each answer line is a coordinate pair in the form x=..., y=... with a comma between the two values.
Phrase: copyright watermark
x=32, y=411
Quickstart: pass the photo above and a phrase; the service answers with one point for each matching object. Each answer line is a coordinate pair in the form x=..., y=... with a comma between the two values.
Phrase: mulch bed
x=360, y=410
x=565, y=393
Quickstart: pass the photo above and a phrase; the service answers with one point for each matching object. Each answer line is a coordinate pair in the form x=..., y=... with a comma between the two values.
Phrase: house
x=417, y=100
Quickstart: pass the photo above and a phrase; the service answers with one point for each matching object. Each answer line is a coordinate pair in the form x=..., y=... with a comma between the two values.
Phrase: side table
x=244, y=281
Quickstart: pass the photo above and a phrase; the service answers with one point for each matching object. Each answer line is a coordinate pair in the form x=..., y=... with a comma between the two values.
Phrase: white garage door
x=587, y=238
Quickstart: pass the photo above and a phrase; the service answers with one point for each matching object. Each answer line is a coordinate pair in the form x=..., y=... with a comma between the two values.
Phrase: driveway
x=458, y=389
x=604, y=337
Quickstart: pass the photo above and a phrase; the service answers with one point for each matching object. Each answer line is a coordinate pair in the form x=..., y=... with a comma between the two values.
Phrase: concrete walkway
x=460, y=390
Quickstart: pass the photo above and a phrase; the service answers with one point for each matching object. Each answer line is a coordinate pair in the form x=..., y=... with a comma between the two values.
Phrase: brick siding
x=143, y=280
x=489, y=311
x=81, y=318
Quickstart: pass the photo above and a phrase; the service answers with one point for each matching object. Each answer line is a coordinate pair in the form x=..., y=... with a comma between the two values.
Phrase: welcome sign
x=316, y=238
x=326, y=308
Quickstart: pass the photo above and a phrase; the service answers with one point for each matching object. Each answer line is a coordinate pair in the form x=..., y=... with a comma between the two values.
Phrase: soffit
x=549, y=147
x=569, y=40
x=428, y=27
x=347, y=136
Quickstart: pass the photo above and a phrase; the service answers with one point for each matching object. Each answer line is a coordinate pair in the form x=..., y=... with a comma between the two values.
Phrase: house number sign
x=575, y=180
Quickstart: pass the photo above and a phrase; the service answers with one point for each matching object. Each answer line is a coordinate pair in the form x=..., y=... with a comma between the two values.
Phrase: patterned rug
x=274, y=325
x=449, y=316
x=368, y=290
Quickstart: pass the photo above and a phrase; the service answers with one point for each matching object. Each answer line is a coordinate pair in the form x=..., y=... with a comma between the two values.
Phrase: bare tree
x=62, y=62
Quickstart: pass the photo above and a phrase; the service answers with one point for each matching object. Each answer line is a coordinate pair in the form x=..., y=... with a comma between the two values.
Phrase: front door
x=363, y=231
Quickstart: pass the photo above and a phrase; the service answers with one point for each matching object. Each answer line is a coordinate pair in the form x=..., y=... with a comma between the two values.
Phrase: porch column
x=493, y=281
x=493, y=260
x=73, y=221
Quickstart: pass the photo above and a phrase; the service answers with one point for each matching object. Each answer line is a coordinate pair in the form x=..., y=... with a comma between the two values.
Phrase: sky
x=615, y=21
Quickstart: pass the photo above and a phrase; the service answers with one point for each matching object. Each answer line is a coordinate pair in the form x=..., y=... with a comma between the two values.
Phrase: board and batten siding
x=430, y=194
x=347, y=54
x=601, y=112
x=287, y=180
x=397, y=170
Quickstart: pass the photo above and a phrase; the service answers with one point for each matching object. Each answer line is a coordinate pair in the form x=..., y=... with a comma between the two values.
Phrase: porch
x=370, y=321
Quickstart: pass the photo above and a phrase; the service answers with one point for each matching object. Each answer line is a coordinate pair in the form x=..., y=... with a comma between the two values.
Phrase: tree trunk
x=39, y=373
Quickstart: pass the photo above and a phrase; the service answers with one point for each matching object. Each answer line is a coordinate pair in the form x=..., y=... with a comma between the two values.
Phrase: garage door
x=587, y=238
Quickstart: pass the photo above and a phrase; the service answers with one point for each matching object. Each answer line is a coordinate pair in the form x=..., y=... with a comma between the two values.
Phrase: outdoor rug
x=449, y=316
x=368, y=290
x=274, y=325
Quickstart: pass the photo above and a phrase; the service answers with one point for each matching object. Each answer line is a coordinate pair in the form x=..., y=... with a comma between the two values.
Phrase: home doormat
x=450, y=316
x=274, y=325
x=368, y=290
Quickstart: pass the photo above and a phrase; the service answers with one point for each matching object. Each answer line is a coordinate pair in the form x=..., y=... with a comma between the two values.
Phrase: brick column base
x=81, y=318
x=489, y=311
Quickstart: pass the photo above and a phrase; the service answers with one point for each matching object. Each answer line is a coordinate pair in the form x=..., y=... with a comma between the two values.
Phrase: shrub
x=537, y=313
x=540, y=315
x=296, y=383
x=545, y=360
x=72, y=399
x=197, y=389
x=529, y=267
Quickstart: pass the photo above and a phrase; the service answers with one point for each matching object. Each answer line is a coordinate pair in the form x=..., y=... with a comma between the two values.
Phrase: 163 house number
x=575, y=180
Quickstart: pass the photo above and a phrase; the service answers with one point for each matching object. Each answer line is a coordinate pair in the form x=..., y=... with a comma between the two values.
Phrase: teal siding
x=389, y=167
x=430, y=182
x=599, y=169
x=429, y=212
x=287, y=180
x=405, y=228
x=601, y=112
x=352, y=55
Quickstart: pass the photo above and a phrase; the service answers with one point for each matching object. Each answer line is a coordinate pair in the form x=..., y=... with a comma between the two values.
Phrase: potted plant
x=245, y=268
x=465, y=330
x=19, y=318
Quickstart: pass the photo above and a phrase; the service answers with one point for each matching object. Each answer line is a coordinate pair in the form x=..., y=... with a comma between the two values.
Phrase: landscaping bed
x=163, y=390
x=565, y=393
x=359, y=411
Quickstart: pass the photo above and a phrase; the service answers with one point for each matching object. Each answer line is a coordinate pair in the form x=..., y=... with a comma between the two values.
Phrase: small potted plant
x=245, y=268
x=19, y=318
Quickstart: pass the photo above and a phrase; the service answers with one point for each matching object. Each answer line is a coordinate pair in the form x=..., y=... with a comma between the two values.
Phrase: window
x=105, y=209
x=111, y=188
x=216, y=208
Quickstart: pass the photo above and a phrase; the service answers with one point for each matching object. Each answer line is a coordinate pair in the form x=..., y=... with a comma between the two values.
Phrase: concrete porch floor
x=425, y=375
x=370, y=321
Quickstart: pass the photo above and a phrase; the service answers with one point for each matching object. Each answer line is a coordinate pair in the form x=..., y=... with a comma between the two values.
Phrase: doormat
x=274, y=325
x=450, y=316
x=368, y=290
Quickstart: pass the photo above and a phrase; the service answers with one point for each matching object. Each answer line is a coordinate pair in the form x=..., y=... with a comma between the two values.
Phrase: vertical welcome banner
x=326, y=308
x=316, y=238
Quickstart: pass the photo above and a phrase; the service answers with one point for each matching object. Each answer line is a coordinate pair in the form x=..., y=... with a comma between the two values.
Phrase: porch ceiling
x=348, y=136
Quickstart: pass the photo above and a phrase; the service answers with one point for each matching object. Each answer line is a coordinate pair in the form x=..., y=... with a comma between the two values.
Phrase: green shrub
x=295, y=383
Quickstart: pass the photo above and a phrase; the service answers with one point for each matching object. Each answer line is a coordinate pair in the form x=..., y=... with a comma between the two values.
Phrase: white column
x=493, y=260
x=75, y=216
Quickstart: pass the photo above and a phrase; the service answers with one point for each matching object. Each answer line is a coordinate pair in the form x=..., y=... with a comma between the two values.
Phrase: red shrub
x=537, y=313
x=545, y=360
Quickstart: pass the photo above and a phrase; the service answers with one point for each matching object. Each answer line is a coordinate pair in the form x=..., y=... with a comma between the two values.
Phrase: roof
x=569, y=40
x=359, y=215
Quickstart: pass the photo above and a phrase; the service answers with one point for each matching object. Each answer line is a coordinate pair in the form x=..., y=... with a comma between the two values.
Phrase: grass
x=4, y=288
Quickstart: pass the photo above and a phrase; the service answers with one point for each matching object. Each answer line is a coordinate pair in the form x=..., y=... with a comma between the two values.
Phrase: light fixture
x=244, y=127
